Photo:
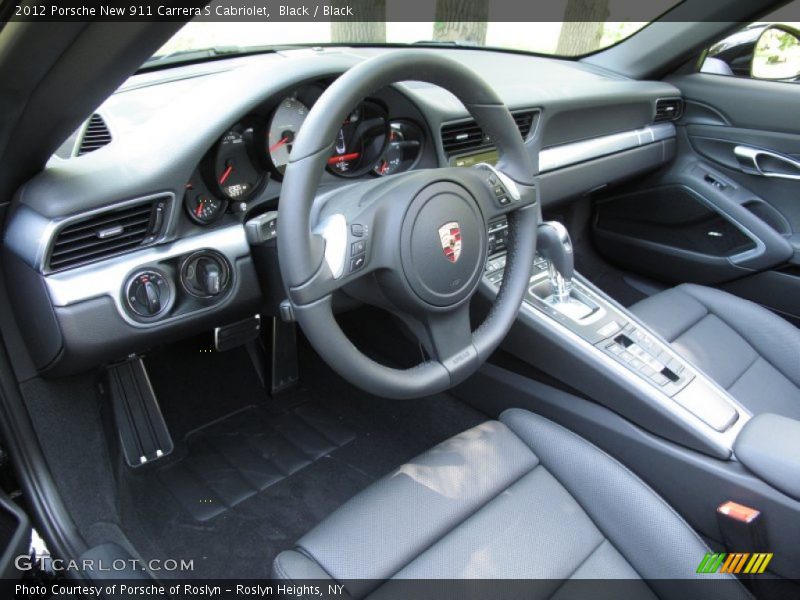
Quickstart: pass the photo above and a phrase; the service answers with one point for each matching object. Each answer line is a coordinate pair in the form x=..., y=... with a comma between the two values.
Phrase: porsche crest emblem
x=450, y=236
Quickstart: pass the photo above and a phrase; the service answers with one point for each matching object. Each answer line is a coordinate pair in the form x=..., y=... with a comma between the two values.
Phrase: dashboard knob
x=208, y=276
x=147, y=293
x=153, y=298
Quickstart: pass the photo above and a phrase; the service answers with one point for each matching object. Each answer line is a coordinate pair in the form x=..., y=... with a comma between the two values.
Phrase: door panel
x=718, y=144
x=727, y=211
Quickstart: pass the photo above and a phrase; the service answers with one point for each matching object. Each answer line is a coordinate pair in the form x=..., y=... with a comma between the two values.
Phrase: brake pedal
x=142, y=430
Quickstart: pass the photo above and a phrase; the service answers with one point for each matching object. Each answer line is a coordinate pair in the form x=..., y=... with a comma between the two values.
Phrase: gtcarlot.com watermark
x=25, y=562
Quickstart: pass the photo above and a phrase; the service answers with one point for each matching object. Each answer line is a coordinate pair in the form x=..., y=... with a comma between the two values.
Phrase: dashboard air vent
x=96, y=135
x=668, y=109
x=465, y=136
x=524, y=122
x=107, y=234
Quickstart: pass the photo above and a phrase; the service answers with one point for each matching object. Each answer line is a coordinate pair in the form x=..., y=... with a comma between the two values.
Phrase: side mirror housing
x=777, y=54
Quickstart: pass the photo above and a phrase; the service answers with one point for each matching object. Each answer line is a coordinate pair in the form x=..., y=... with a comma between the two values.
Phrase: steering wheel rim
x=310, y=239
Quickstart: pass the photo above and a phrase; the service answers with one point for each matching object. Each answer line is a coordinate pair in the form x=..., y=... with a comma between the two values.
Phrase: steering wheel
x=413, y=243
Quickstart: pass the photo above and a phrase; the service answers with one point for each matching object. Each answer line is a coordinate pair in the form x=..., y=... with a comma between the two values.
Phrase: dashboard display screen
x=468, y=160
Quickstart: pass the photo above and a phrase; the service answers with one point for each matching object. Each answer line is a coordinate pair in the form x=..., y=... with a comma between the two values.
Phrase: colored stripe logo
x=735, y=562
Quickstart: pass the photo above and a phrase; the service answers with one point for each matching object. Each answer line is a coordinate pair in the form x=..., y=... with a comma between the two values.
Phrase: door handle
x=767, y=164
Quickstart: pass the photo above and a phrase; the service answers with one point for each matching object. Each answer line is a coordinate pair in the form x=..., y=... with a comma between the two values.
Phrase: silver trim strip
x=508, y=183
x=558, y=157
x=107, y=278
x=333, y=230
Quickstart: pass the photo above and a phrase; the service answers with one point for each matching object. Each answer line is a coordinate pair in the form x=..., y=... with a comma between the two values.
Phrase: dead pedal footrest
x=142, y=431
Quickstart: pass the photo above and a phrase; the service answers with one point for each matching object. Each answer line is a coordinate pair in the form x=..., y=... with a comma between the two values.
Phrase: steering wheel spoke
x=444, y=334
x=446, y=338
x=350, y=250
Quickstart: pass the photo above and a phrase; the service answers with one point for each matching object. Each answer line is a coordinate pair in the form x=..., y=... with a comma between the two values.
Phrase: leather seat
x=748, y=350
x=519, y=498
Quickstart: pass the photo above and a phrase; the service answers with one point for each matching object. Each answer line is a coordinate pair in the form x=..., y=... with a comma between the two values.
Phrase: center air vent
x=108, y=233
x=466, y=136
x=668, y=109
x=96, y=135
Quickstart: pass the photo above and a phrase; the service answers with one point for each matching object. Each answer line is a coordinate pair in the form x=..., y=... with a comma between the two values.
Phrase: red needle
x=278, y=144
x=343, y=157
x=384, y=167
x=199, y=209
x=226, y=174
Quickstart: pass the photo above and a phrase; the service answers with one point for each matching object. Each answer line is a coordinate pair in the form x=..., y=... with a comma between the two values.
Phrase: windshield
x=587, y=27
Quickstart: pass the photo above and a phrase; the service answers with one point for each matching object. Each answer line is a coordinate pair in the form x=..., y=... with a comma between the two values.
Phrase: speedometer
x=283, y=128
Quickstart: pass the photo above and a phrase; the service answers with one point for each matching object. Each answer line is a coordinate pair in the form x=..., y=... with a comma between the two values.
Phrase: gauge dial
x=235, y=172
x=283, y=128
x=403, y=150
x=203, y=207
x=360, y=141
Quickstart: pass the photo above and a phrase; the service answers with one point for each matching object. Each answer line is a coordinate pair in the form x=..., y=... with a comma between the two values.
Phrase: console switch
x=357, y=263
x=358, y=247
x=641, y=359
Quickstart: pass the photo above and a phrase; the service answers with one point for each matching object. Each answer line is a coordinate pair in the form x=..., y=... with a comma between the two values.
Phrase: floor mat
x=237, y=457
x=244, y=487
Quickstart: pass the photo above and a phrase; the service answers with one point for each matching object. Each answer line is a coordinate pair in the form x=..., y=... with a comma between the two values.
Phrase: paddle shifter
x=554, y=245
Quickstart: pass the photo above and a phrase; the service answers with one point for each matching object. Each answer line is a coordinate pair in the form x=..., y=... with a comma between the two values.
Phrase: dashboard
x=166, y=226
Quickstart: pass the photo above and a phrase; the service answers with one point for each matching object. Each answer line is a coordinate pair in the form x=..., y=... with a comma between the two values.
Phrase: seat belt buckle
x=745, y=536
x=738, y=512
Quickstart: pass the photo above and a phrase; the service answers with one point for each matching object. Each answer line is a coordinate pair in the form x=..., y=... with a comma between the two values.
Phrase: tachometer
x=235, y=171
x=283, y=128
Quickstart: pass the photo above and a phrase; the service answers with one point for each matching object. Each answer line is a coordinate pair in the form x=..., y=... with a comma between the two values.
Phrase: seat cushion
x=748, y=350
x=519, y=498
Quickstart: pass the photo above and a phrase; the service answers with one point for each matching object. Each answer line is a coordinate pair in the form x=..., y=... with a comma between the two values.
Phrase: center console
x=566, y=323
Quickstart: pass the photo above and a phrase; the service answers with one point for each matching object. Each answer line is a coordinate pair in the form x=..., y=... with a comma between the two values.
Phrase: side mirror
x=777, y=54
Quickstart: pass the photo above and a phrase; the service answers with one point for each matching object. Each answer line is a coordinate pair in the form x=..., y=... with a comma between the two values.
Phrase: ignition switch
x=205, y=274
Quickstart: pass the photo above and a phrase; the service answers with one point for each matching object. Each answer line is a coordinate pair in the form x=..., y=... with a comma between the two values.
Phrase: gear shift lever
x=555, y=245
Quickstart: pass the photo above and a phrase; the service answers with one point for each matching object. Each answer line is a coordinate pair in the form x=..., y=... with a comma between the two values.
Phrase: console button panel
x=611, y=331
x=648, y=357
x=607, y=328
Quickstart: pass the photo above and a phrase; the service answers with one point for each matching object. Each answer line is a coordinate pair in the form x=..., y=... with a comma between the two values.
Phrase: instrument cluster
x=259, y=147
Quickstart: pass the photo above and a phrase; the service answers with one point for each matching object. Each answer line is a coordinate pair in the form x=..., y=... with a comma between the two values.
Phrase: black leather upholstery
x=521, y=498
x=749, y=351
